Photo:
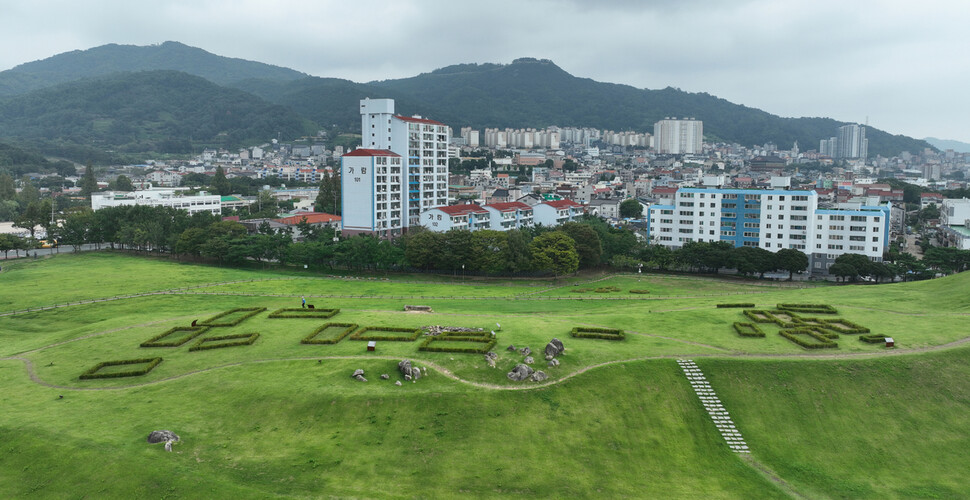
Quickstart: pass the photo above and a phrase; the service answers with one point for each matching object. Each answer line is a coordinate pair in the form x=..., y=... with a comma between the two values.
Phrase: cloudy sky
x=901, y=65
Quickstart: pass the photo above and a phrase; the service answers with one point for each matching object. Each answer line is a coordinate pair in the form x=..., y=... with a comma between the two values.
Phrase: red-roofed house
x=512, y=215
x=469, y=216
x=927, y=199
x=554, y=213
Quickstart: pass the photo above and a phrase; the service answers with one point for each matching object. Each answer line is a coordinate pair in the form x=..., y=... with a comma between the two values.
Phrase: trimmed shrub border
x=486, y=341
x=748, y=330
x=640, y=291
x=243, y=339
x=304, y=313
x=362, y=334
x=874, y=338
x=214, y=321
x=743, y=304
x=586, y=332
x=808, y=308
x=607, y=289
x=150, y=364
x=823, y=341
x=831, y=324
x=156, y=340
x=310, y=339
x=769, y=317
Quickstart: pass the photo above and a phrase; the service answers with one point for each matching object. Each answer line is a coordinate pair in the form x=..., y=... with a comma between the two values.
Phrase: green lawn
x=615, y=419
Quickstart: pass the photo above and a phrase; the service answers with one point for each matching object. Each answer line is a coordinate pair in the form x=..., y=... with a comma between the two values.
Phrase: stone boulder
x=528, y=360
x=510, y=348
x=398, y=383
x=490, y=358
x=385, y=376
x=538, y=376
x=162, y=437
x=520, y=372
x=409, y=372
x=553, y=363
x=554, y=348
x=359, y=375
x=525, y=351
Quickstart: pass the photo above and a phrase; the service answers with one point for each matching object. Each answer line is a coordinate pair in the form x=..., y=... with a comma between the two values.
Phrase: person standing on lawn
x=304, y=301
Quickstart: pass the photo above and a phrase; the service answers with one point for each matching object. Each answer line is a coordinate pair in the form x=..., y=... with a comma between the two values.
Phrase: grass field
x=278, y=418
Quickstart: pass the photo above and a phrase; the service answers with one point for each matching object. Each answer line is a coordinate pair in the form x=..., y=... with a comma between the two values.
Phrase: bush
x=873, y=338
x=607, y=289
x=150, y=364
x=794, y=336
x=585, y=332
x=347, y=328
x=486, y=343
x=842, y=326
x=808, y=308
x=362, y=334
x=742, y=304
x=240, y=339
x=748, y=330
x=638, y=290
x=304, y=313
x=580, y=290
x=156, y=341
x=219, y=319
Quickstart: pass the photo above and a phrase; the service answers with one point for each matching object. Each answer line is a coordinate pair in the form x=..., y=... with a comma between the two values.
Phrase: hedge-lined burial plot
x=175, y=337
x=873, y=338
x=390, y=333
x=123, y=368
x=808, y=338
x=221, y=341
x=459, y=342
x=748, y=330
x=584, y=332
x=330, y=333
x=784, y=319
x=298, y=313
x=232, y=317
x=808, y=308
x=843, y=326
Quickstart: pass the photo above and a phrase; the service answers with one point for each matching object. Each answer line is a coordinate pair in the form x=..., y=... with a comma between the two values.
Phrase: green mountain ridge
x=528, y=92
x=161, y=111
x=113, y=58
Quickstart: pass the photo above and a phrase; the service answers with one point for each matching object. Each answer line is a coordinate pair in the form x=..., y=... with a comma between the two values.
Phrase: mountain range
x=172, y=98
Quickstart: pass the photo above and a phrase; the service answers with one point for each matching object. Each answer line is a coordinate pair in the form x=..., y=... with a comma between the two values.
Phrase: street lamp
x=462, y=274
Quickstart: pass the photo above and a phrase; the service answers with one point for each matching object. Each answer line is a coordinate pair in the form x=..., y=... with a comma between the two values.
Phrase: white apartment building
x=421, y=144
x=673, y=136
x=373, y=193
x=158, y=198
x=554, y=213
x=773, y=220
x=495, y=216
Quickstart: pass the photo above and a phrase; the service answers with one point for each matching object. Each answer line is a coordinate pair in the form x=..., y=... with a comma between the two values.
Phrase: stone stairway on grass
x=722, y=420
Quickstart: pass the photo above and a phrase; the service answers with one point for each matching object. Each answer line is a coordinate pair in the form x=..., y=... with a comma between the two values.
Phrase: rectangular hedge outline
x=212, y=321
x=154, y=341
x=360, y=334
x=808, y=308
x=150, y=363
x=824, y=342
x=249, y=338
x=585, y=332
x=852, y=327
x=742, y=304
x=753, y=330
x=309, y=339
x=487, y=341
x=324, y=313
x=771, y=318
x=875, y=338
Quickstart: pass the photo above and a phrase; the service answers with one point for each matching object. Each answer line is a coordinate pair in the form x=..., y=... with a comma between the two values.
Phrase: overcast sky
x=901, y=64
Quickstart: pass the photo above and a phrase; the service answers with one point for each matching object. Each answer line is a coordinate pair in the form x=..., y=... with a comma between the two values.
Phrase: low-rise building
x=159, y=198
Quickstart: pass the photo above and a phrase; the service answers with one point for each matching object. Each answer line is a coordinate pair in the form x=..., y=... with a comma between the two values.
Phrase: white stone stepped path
x=717, y=412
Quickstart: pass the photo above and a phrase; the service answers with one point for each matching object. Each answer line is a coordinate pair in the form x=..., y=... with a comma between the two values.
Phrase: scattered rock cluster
x=520, y=373
x=167, y=437
x=553, y=349
x=426, y=309
x=490, y=358
x=410, y=372
x=359, y=375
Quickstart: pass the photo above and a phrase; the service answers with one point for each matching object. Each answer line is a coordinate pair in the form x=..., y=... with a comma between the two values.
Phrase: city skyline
x=879, y=61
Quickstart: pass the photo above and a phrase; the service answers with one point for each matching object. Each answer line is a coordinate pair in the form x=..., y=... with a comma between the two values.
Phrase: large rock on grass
x=162, y=436
x=520, y=372
x=538, y=376
x=554, y=348
x=409, y=372
x=359, y=375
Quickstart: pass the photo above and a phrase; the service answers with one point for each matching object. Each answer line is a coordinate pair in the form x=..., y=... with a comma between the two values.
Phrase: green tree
x=35, y=215
x=587, y=241
x=77, y=225
x=554, y=251
x=844, y=271
x=860, y=263
x=631, y=208
x=791, y=260
x=220, y=184
x=123, y=183
x=8, y=190
x=328, y=197
x=490, y=249
x=89, y=183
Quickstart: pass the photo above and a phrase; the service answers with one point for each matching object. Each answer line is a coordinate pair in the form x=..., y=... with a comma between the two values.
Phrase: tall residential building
x=773, y=220
x=421, y=146
x=673, y=136
x=850, y=143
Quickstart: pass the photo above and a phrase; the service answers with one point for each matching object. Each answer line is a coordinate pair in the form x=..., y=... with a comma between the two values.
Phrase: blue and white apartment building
x=771, y=219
